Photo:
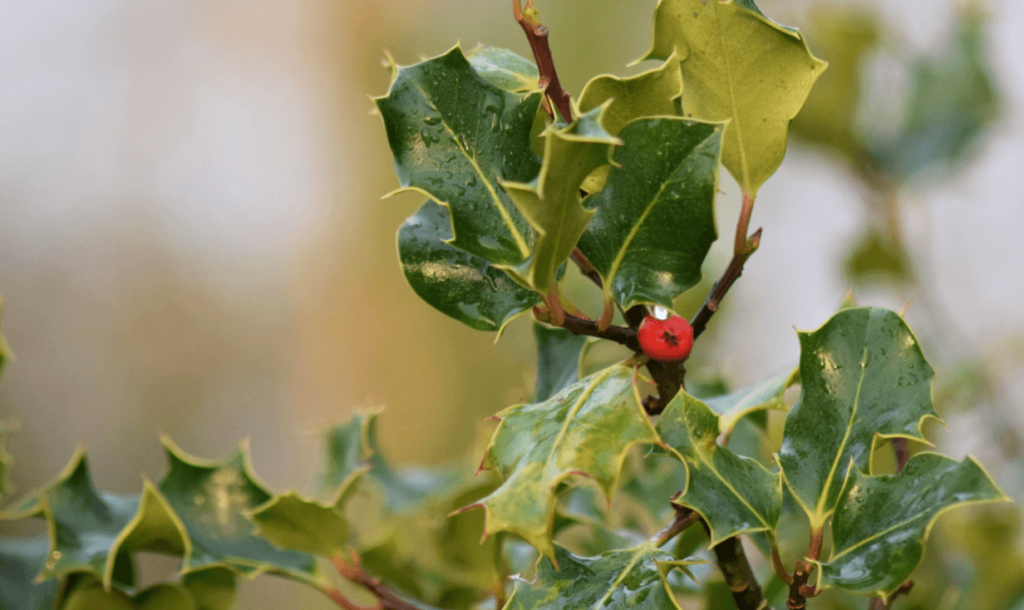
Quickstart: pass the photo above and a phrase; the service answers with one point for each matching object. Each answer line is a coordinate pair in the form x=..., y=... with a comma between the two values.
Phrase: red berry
x=666, y=340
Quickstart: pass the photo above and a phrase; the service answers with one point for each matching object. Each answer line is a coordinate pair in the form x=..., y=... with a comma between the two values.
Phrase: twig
x=387, y=599
x=537, y=34
x=735, y=567
x=586, y=267
x=580, y=326
x=684, y=518
x=345, y=603
x=879, y=604
x=799, y=590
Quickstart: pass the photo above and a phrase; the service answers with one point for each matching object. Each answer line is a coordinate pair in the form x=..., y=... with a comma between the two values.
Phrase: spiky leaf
x=212, y=589
x=456, y=283
x=881, y=523
x=653, y=93
x=454, y=136
x=586, y=429
x=734, y=494
x=558, y=360
x=290, y=521
x=863, y=375
x=91, y=595
x=347, y=452
x=505, y=69
x=20, y=562
x=616, y=580
x=654, y=221
x=741, y=67
x=766, y=395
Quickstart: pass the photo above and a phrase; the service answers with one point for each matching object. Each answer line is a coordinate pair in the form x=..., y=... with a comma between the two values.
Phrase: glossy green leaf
x=863, y=377
x=760, y=397
x=734, y=494
x=654, y=221
x=456, y=283
x=738, y=66
x=347, y=453
x=586, y=429
x=454, y=136
x=292, y=522
x=881, y=523
x=211, y=589
x=91, y=595
x=210, y=499
x=505, y=69
x=552, y=203
x=653, y=93
x=558, y=360
x=617, y=580
x=20, y=562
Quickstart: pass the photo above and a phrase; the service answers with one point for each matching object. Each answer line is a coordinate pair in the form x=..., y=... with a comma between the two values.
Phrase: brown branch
x=618, y=334
x=387, y=599
x=537, y=35
x=587, y=268
x=879, y=604
x=684, y=518
x=735, y=567
x=799, y=590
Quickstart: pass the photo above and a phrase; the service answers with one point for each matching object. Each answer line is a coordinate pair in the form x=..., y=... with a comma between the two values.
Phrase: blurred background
x=192, y=239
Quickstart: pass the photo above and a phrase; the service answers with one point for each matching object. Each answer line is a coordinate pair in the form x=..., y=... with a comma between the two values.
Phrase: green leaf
x=20, y=562
x=458, y=284
x=346, y=449
x=292, y=522
x=210, y=499
x=877, y=254
x=92, y=531
x=734, y=494
x=617, y=580
x=91, y=595
x=761, y=397
x=6, y=429
x=552, y=203
x=652, y=93
x=654, y=221
x=454, y=136
x=505, y=69
x=738, y=66
x=558, y=360
x=211, y=589
x=863, y=377
x=882, y=522
x=586, y=429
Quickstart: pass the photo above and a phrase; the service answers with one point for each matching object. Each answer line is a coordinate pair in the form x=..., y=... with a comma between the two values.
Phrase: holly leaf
x=212, y=589
x=552, y=203
x=505, y=69
x=20, y=563
x=94, y=532
x=454, y=136
x=881, y=523
x=558, y=360
x=738, y=66
x=347, y=454
x=734, y=494
x=616, y=580
x=90, y=594
x=731, y=408
x=863, y=377
x=210, y=499
x=456, y=283
x=586, y=429
x=292, y=522
x=653, y=93
x=654, y=220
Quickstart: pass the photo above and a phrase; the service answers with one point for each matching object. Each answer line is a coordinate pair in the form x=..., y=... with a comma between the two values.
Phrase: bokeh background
x=192, y=239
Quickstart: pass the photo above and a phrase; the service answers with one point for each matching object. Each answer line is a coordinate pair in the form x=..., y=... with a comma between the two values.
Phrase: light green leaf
x=733, y=494
x=292, y=522
x=456, y=283
x=91, y=595
x=558, y=360
x=863, y=377
x=210, y=499
x=882, y=522
x=586, y=429
x=654, y=221
x=505, y=69
x=877, y=254
x=211, y=589
x=20, y=562
x=552, y=203
x=616, y=580
x=347, y=452
x=93, y=531
x=761, y=397
x=653, y=93
x=454, y=136
x=738, y=66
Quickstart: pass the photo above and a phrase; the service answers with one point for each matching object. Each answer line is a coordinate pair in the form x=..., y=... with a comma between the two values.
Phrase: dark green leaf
x=616, y=580
x=734, y=494
x=863, y=377
x=558, y=360
x=458, y=284
x=503, y=68
x=212, y=589
x=882, y=522
x=20, y=562
x=454, y=136
x=654, y=220
x=652, y=93
x=766, y=395
x=586, y=429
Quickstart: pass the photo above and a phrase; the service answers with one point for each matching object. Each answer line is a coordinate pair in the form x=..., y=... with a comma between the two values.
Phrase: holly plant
x=618, y=486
